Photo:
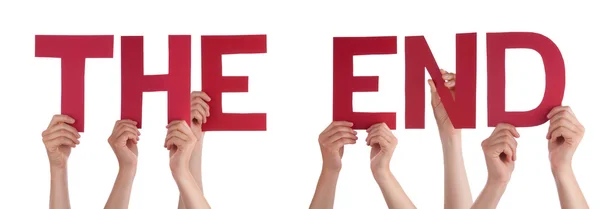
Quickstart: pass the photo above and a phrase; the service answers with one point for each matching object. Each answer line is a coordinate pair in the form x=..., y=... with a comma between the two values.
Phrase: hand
x=59, y=138
x=441, y=116
x=383, y=143
x=332, y=141
x=500, y=151
x=123, y=142
x=564, y=135
x=199, y=113
x=180, y=142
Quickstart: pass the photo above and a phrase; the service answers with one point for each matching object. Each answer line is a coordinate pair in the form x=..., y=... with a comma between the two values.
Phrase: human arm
x=500, y=151
x=332, y=141
x=58, y=139
x=564, y=135
x=383, y=143
x=180, y=142
x=123, y=142
x=457, y=192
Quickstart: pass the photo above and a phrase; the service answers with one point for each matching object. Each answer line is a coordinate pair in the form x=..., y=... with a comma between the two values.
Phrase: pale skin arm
x=121, y=192
x=200, y=111
x=457, y=192
x=181, y=141
x=191, y=195
x=59, y=189
x=59, y=138
x=564, y=135
x=569, y=193
x=490, y=195
x=383, y=143
x=500, y=151
x=332, y=141
x=392, y=191
x=325, y=191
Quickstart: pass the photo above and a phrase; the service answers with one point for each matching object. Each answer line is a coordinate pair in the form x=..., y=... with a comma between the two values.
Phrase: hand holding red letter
x=180, y=141
x=332, y=141
x=383, y=143
x=123, y=142
x=59, y=138
x=500, y=151
x=564, y=135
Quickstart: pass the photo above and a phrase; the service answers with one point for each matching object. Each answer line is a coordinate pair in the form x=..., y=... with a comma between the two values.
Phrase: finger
x=562, y=131
x=175, y=141
x=450, y=84
x=202, y=95
x=60, y=141
x=508, y=151
x=203, y=112
x=61, y=119
x=127, y=135
x=558, y=109
x=128, y=127
x=337, y=123
x=61, y=126
x=339, y=129
x=62, y=133
x=177, y=133
x=184, y=128
x=198, y=102
x=341, y=142
x=561, y=122
x=198, y=116
x=503, y=126
x=374, y=126
x=340, y=135
x=449, y=76
x=432, y=87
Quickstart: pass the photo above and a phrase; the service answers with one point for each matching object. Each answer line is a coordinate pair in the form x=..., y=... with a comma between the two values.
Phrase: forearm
x=569, y=193
x=121, y=192
x=59, y=189
x=490, y=196
x=392, y=191
x=195, y=169
x=190, y=193
x=457, y=192
x=325, y=191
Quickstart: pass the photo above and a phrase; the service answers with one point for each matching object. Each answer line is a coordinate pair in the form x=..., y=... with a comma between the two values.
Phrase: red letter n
x=554, y=65
x=461, y=109
x=134, y=83
x=345, y=83
x=214, y=83
x=73, y=50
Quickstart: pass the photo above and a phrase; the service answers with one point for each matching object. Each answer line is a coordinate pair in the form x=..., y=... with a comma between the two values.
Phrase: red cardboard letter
x=176, y=82
x=345, y=83
x=554, y=66
x=461, y=109
x=73, y=50
x=214, y=83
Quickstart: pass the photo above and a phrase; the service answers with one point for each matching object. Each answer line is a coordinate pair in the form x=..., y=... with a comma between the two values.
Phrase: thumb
x=432, y=87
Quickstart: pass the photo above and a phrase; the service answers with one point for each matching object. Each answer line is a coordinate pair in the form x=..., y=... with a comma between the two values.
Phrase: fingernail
x=450, y=82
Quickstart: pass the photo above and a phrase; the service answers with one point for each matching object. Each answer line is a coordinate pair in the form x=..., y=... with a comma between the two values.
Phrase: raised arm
x=564, y=135
x=383, y=143
x=200, y=112
x=457, y=192
x=500, y=151
x=332, y=141
x=123, y=142
x=180, y=142
x=59, y=138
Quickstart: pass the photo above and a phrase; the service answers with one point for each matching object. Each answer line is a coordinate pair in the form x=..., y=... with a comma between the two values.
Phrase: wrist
x=330, y=171
x=562, y=171
x=381, y=174
x=127, y=171
x=58, y=171
x=497, y=183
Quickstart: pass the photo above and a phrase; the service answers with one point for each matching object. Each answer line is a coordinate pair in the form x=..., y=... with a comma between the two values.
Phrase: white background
x=279, y=168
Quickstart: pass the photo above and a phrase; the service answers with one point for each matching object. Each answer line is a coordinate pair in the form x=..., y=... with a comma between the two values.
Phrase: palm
x=557, y=149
